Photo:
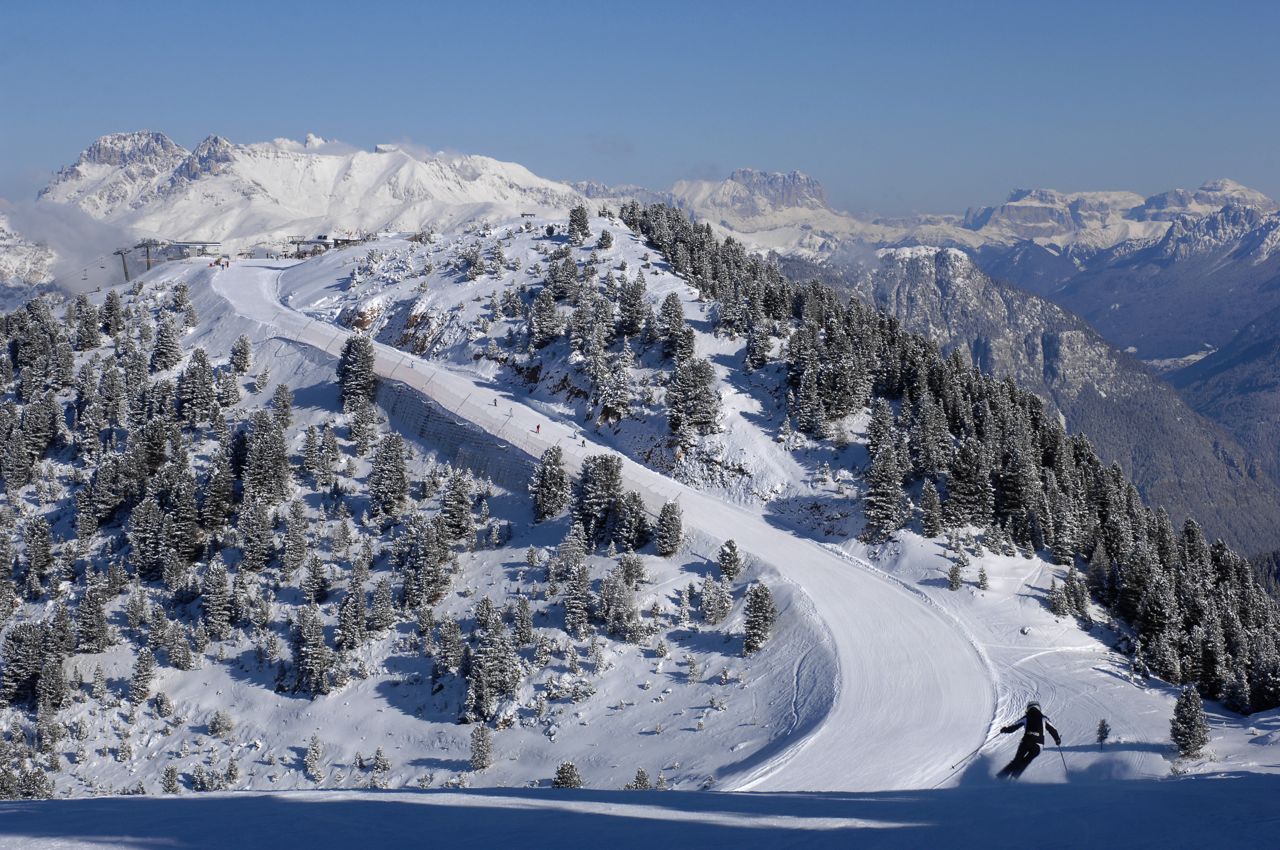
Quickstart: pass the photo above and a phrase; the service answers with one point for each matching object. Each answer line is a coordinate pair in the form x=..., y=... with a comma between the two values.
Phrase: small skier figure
x=537, y=429
x=1035, y=724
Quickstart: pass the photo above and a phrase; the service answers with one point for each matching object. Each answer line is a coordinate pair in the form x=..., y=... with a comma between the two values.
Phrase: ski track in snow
x=911, y=683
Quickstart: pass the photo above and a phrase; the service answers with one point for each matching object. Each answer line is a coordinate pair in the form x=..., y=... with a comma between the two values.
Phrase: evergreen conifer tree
x=760, y=617
x=567, y=776
x=311, y=762
x=549, y=484
x=241, y=355
x=930, y=510
x=356, y=376
x=388, y=480
x=729, y=560
x=885, y=505
x=144, y=667
x=1189, y=728
x=579, y=224
x=670, y=530
x=166, y=353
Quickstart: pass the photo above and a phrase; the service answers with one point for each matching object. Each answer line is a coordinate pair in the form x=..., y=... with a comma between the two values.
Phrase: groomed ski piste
x=890, y=726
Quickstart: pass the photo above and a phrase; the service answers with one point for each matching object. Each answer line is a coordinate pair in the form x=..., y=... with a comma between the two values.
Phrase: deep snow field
x=878, y=683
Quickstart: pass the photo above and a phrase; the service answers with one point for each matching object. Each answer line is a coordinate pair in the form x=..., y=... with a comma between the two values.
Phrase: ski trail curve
x=912, y=695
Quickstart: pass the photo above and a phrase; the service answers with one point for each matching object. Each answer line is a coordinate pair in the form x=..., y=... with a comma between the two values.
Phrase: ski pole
x=1064, y=759
x=971, y=755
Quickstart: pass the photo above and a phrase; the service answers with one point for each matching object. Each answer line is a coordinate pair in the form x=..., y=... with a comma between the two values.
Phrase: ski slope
x=911, y=696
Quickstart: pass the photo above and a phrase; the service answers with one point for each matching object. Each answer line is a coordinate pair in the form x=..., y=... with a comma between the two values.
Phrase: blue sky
x=895, y=106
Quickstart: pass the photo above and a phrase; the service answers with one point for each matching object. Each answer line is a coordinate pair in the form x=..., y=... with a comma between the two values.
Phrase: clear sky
x=894, y=106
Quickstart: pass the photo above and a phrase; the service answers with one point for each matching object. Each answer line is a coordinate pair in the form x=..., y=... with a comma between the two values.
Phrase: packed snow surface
x=1229, y=810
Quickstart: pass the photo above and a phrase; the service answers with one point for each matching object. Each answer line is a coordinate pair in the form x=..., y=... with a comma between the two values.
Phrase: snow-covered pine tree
x=267, y=473
x=729, y=559
x=382, y=614
x=195, y=388
x=388, y=480
x=216, y=599
x=549, y=485
x=567, y=776
x=166, y=353
x=577, y=602
x=1189, y=728
x=356, y=377
x=312, y=761
x=885, y=505
x=692, y=401
x=631, y=523
x=715, y=600
x=282, y=405
x=761, y=614
x=144, y=667
x=545, y=323
x=241, y=355
x=970, y=495
x=258, y=543
x=579, y=225
x=598, y=491
x=458, y=522
x=930, y=510
x=312, y=657
x=670, y=531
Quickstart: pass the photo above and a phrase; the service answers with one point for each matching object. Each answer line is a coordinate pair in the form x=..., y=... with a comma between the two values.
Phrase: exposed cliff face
x=1177, y=457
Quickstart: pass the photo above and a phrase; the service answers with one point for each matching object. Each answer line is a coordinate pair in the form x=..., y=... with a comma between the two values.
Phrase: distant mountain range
x=242, y=194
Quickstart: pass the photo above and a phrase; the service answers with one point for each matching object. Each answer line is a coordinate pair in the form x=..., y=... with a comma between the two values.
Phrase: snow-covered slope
x=1078, y=673
x=1231, y=809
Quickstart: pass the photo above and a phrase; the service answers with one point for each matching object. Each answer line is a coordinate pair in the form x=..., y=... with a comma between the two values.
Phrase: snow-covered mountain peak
x=751, y=194
x=123, y=149
x=793, y=189
x=246, y=194
x=115, y=172
x=211, y=156
x=1212, y=196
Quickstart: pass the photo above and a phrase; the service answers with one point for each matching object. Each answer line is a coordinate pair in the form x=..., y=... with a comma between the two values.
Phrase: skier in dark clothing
x=1035, y=723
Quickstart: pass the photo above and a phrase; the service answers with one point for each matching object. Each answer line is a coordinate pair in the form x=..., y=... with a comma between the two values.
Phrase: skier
x=1035, y=723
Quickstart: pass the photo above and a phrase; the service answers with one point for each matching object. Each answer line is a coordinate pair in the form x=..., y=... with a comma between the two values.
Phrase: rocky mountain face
x=1177, y=457
x=118, y=172
x=1239, y=386
x=1193, y=288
